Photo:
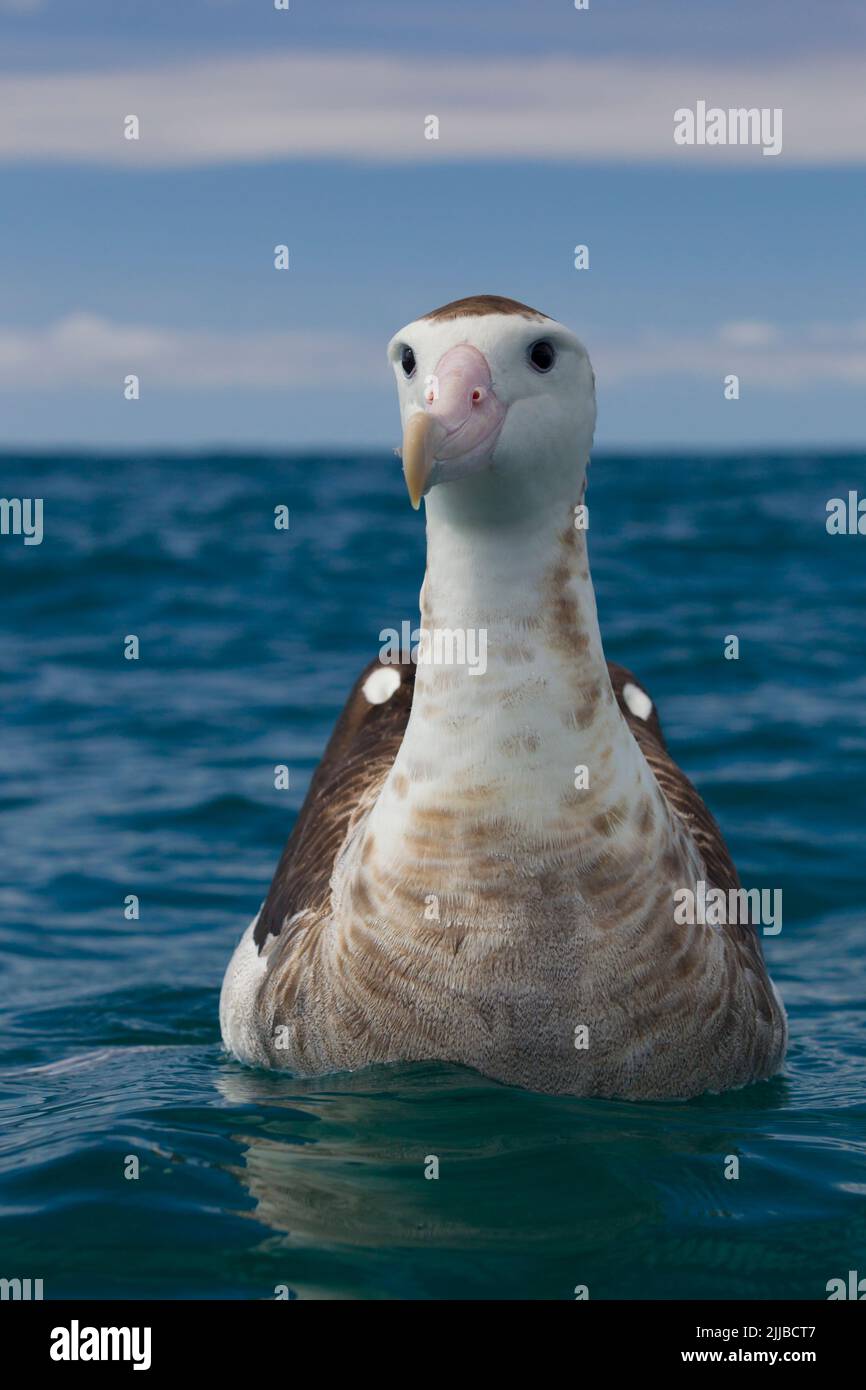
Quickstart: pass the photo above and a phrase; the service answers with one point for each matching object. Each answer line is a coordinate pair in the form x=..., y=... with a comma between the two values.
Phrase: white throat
x=518, y=581
x=527, y=771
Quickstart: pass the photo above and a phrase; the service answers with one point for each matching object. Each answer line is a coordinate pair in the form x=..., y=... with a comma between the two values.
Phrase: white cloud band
x=85, y=350
x=372, y=107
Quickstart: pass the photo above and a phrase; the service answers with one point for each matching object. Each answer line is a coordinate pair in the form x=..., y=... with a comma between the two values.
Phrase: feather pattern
x=384, y=1006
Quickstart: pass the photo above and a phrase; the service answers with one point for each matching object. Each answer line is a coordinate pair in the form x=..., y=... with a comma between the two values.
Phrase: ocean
x=137, y=1159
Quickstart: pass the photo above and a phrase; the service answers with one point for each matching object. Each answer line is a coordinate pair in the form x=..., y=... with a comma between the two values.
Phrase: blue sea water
x=155, y=777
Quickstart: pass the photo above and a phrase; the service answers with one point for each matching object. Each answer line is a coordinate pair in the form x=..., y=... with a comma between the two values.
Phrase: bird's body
x=486, y=866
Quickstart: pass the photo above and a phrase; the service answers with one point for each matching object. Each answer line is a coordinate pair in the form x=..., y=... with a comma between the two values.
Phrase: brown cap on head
x=483, y=304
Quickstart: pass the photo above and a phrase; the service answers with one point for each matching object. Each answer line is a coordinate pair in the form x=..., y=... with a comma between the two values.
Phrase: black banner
x=158, y=1338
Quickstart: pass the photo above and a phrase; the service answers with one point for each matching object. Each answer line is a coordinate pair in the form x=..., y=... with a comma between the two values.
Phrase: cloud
x=761, y=354
x=83, y=350
x=748, y=333
x=86, y=350
x=372, y=107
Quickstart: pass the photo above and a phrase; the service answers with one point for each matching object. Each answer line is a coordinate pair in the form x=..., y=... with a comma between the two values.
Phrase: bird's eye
x=407, y=361
x=542, y=356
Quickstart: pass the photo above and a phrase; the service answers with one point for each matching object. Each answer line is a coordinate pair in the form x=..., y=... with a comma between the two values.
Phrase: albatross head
x=492, y=389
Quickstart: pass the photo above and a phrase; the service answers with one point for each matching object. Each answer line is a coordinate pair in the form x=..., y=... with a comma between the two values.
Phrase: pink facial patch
x=463, y=403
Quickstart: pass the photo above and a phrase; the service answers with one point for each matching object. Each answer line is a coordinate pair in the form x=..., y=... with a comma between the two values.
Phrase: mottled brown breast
x=357, y=760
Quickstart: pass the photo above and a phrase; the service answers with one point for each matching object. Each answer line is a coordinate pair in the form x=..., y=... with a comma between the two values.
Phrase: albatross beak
x=420, y=437
x=457, y=430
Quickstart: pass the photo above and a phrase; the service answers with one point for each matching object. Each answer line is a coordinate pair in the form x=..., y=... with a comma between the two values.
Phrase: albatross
x=485, y=868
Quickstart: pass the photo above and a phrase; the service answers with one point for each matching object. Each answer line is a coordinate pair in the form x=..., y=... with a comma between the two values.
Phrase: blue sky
x=306, y=127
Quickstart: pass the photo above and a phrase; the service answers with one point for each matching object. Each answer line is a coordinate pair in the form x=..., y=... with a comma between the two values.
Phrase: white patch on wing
x=637, y=700
x=381, y=684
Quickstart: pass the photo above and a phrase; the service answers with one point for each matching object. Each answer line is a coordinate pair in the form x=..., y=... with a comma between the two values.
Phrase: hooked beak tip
x=419, y=441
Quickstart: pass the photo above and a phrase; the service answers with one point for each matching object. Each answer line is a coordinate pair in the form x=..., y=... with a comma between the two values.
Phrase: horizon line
x=376, y=450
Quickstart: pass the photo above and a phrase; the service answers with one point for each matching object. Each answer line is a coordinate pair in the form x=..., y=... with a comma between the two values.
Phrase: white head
x=493, y=391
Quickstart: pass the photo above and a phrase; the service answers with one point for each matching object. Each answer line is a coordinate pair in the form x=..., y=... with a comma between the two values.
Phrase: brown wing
x=675, y=786
x=356, y=762
x=685, y=802
x=354, y=765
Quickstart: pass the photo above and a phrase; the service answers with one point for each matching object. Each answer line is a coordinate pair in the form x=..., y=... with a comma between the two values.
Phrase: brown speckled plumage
x=378, y=999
